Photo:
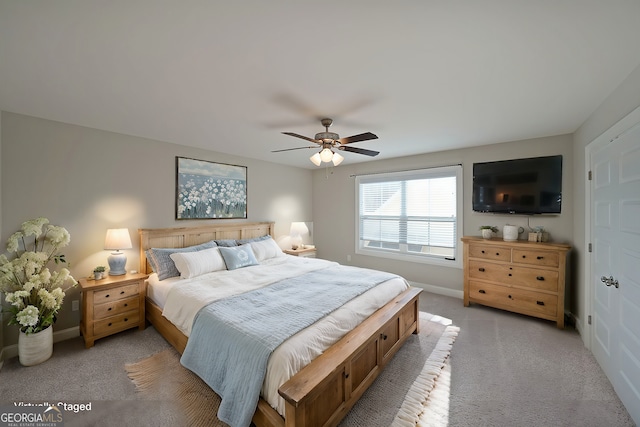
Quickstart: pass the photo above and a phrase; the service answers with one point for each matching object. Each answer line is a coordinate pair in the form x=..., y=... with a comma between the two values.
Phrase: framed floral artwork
x=208, y=190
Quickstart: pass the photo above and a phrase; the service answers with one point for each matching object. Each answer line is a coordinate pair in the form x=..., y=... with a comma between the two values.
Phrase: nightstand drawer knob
x=126, y=320
x=121, y=292
x=126, y=305
x=110, y=323
x=481, y=269
x=482, y=291
x=109, y=309
x=541, y=278
x=384, y=337
x=540, y=302
x=107, y=296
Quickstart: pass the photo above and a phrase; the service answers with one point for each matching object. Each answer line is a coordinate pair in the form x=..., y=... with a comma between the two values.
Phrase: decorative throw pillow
x=192, y=264
x=253, y=239
x=227, y=243
x=163, y=265
x=265, y=249
x=238, y=256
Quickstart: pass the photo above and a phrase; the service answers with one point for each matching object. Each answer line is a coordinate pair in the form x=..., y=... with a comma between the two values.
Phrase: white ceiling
x=230, y=76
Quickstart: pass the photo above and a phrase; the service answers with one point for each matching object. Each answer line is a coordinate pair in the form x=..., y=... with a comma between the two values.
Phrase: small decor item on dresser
x=98, y=272
x=35, y=293
x=510, y=232
x=488, y=231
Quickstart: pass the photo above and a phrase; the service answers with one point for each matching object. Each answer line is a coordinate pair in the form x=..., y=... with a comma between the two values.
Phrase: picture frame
x=210, y=190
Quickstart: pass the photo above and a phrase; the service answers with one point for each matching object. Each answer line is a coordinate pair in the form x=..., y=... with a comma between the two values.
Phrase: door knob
x=610, y=281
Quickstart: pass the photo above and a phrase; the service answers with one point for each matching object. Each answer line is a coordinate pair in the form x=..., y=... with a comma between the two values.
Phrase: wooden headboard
x=188, y=236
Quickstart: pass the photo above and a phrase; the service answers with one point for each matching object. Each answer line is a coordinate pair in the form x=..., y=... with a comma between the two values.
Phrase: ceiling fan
x=329, y=140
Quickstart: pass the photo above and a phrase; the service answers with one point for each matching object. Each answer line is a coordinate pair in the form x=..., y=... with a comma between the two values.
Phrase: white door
x=615, y=278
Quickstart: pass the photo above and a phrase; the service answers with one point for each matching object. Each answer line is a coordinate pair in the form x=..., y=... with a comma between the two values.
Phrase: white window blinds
x=413, y=212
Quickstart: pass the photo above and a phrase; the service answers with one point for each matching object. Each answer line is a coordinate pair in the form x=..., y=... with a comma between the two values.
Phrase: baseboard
x=12, y=350
x=439, y=290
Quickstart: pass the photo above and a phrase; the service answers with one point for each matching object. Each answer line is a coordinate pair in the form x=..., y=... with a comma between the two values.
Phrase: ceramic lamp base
x=117, y=262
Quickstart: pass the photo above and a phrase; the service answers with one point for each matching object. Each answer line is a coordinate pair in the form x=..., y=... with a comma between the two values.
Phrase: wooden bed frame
x=323, y=392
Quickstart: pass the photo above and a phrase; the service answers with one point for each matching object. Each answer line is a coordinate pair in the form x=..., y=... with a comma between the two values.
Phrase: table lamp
x=117, y=239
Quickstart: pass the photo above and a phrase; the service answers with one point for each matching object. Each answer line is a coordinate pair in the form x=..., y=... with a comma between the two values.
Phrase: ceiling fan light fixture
x=326, y=155
x=315, y=159
x=337, y=159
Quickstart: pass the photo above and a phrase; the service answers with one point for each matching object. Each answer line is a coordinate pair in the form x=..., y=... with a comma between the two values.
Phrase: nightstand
x=111, y=305
x=309, y=253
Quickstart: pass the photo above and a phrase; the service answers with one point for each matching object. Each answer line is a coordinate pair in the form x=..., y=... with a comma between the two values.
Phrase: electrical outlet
x=75, y=305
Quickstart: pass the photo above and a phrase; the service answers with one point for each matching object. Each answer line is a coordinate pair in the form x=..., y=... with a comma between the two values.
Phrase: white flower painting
x=208, y=190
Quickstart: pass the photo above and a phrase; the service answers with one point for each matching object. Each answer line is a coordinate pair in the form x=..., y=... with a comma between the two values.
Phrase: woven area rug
x=413, y=390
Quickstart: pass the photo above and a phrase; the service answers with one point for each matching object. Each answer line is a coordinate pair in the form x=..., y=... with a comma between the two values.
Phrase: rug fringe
x=144, y=374
x=417, y=396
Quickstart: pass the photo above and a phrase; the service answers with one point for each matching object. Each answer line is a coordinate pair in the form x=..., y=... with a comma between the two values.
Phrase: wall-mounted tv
x=519, y=186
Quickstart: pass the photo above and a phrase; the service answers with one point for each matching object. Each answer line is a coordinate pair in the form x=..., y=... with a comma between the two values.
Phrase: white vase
x=35, y=348
x=487, y=233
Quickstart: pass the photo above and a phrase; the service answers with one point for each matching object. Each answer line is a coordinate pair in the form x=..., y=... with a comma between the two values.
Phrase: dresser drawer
x=508, y=274
x=518, y=300
x=498, y=253
x=100, y=311
x=533, y=257
x=117, y=293
x=116, y=323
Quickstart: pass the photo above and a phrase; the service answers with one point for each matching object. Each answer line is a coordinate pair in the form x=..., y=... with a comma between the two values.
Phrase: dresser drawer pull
x=110, y=323
x=481, y=291
x=126, y=305
x=510, y=297
x=109, y=309
x=497, y=253
x=540, y=302
x=107, y=296
x=540, y=257
x=384, y=337
x=481, y=269
x=121, y=292
x=541, y=278
x=126, y=320
x=510, y=274
x=482, y=251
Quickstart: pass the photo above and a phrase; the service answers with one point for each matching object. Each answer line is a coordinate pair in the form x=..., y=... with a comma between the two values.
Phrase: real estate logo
x=31, y=416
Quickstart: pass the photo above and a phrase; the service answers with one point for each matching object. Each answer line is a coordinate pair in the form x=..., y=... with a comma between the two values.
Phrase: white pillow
x=265, y=249
x=192, y=264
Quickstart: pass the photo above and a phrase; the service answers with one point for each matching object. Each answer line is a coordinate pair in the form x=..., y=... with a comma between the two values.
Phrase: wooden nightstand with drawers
x=111, y=305
x=306, y=252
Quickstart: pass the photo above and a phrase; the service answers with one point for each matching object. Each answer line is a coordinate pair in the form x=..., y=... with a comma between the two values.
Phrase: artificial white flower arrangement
x=35, y=294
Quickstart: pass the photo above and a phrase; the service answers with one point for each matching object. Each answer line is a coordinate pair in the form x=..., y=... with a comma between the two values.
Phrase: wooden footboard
x=323, y=392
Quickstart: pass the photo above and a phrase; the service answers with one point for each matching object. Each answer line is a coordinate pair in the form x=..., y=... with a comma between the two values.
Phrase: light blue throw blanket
x=232, y=338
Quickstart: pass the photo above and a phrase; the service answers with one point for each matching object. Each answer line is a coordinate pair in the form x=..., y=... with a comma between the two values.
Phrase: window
x=412, y=215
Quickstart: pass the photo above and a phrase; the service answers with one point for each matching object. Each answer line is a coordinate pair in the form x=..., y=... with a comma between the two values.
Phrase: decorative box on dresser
x=520, y=276
x=111, y=305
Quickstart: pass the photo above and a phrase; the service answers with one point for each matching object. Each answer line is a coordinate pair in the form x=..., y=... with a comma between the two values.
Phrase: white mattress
x=182, y=298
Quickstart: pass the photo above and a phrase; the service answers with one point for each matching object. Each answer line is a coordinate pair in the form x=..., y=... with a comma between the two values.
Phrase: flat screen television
x=519, y=186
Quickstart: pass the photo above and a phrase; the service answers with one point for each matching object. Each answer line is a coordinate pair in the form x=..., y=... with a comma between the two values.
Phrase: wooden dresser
x=523, y=277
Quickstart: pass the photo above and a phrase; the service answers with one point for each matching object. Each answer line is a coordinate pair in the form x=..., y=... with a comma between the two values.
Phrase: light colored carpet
x=409, y=388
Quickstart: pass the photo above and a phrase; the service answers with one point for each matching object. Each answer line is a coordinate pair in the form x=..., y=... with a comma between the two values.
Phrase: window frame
x=428, y=173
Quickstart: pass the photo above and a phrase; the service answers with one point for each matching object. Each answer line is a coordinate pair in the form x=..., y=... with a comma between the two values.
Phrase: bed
x=324, y=390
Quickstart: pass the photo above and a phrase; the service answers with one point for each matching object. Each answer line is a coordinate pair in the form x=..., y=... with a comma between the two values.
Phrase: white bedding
x=184, y=297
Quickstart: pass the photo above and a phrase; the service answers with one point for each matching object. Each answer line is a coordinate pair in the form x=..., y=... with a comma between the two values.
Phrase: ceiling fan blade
x=301, y=136
x=289, y=149
x=357, y=138
x=360, y=151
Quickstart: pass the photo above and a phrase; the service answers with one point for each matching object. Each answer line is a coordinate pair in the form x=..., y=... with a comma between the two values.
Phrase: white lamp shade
x=315, y=159
x=326, y=154
x=298, y=229
x=337, y=159
x=117, y=238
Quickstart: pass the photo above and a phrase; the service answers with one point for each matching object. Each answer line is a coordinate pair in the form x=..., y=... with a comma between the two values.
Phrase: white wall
x=88, y=180
x=334, y=207
x=620, y=103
